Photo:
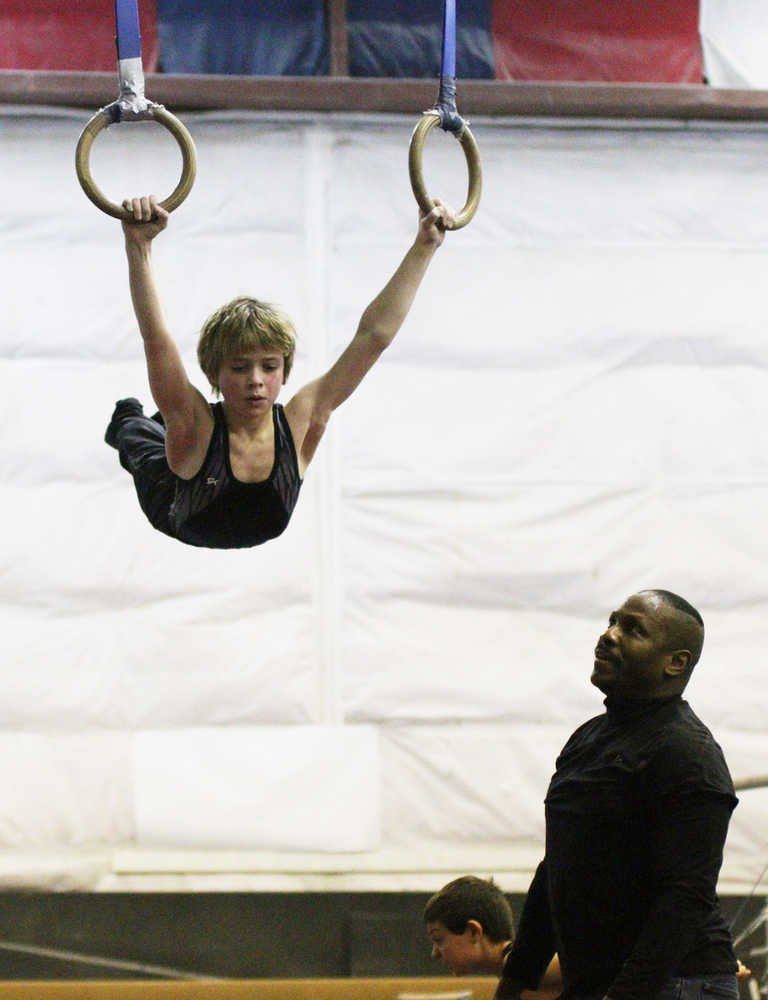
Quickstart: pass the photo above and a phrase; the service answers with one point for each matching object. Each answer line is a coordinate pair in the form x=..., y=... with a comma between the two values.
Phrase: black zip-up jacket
x=636, y=819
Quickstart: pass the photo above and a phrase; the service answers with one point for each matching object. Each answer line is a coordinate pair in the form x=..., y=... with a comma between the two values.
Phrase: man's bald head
x=683, y=623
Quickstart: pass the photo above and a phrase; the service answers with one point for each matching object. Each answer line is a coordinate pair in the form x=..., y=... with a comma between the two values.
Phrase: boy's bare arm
x=182, y=406
x=311, y=407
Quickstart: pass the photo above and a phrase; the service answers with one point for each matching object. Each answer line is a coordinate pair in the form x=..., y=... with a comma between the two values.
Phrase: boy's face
x=462, y=953
x=251, y=382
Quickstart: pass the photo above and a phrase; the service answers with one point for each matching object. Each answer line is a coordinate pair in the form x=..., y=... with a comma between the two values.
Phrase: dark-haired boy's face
x=459, y=952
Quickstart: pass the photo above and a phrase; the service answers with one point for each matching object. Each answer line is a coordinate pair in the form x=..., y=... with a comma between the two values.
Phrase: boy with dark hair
x=470, y=925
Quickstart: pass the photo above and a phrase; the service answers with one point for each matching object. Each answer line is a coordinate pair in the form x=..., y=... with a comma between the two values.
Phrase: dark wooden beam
x=336, y=12
x=365, y=94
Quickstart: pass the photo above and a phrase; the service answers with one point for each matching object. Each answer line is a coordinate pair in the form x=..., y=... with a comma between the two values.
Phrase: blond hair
x=240, y=326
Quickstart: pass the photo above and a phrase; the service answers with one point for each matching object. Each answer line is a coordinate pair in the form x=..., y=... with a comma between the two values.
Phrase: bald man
x=636, y=818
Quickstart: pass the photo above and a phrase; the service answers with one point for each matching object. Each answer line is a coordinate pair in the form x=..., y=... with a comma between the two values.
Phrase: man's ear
x=678, y=663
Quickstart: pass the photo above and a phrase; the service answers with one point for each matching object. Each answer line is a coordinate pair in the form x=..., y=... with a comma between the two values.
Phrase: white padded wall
x=734, y=34
x=574, y=410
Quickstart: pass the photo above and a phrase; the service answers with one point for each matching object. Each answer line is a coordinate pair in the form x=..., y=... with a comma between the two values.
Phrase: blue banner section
x=127, y=29
x=403, y=38
x=244, y=37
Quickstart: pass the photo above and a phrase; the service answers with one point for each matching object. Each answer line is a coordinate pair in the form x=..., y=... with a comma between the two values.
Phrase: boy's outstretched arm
x=309, y=410
x=184, y=410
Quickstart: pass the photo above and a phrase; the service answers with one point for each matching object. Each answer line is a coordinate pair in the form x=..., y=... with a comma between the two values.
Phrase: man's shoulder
x=683, y=731
x=584, y=736
x=686, y=754
x=596, y=722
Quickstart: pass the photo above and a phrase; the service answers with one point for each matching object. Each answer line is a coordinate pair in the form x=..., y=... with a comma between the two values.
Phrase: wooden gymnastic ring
x=100, y=121
x=472, y=154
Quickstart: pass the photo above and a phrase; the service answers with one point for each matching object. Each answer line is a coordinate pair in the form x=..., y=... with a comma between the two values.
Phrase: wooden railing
x=368, y=94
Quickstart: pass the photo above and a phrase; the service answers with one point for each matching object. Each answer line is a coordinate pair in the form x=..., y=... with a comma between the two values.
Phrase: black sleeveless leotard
x=216, y=510
x=213, y=509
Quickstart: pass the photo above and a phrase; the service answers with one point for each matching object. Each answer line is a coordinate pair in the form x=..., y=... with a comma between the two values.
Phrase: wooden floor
x=431, y=988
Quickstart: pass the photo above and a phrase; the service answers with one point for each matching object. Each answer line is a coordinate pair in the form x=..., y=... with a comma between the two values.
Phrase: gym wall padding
x=403, y=38
x=631, y=41
x=317, y=797
x=734, y=34
x=36, y=34
x=523, y=40
x=246, y=37
x=575, y=409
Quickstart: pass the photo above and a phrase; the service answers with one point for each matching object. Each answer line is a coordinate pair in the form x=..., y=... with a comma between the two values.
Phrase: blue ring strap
x=450, y=119
x=449, y=39
x=127, y=29
x=132, y=102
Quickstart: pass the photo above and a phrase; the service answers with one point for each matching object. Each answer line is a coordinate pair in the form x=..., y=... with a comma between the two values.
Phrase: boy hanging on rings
x=228, y=475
